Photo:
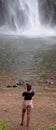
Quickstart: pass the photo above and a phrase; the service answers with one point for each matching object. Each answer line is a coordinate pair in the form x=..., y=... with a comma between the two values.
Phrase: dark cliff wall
x=3, y=12
x=47, y=11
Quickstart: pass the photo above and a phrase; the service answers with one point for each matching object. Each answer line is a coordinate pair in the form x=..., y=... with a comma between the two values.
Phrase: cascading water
x=22, y=17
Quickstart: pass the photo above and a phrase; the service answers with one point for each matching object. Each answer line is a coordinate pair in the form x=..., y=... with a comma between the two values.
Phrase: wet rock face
x=47, y=11
x=1, y=12
x=4, y=12
x=11, y=13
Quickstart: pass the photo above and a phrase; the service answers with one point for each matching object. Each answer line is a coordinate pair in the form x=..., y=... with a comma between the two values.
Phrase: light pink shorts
x=27, y=103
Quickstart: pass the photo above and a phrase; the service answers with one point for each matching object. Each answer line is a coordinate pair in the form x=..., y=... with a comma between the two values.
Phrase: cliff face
x=3, y=12
x=47, y=11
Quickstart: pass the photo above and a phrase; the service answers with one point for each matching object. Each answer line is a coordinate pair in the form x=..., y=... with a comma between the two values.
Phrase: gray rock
x=50, y=82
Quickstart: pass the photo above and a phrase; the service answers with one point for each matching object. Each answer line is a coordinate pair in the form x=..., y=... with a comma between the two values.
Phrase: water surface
x=32, y=59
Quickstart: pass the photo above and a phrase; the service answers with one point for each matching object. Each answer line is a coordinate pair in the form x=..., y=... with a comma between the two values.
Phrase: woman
x=27, y=103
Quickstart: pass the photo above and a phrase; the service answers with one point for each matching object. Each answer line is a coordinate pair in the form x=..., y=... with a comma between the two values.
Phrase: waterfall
x=22, y=17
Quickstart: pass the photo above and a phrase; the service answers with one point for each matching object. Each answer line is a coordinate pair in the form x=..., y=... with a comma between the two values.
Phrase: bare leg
x=28, y=114
x=23, y=114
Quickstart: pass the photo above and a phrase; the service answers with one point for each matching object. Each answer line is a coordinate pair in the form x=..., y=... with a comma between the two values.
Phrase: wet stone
x=22, y=82
x=50, y=82
x=14, y=86
x=9, y=86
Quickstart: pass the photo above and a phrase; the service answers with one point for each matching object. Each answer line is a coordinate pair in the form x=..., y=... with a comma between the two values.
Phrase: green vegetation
x=4, y=125
x=52, y=128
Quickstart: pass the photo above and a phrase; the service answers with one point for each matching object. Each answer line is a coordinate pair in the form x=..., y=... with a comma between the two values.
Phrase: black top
x=28, y=95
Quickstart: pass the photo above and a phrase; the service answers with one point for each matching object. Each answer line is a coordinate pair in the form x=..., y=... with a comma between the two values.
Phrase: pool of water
x=32, y=59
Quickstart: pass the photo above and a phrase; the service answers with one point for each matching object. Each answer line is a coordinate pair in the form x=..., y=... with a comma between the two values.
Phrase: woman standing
x=27, y=103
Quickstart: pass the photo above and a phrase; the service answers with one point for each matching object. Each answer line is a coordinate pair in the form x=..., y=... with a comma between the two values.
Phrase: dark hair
x=29, y=86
